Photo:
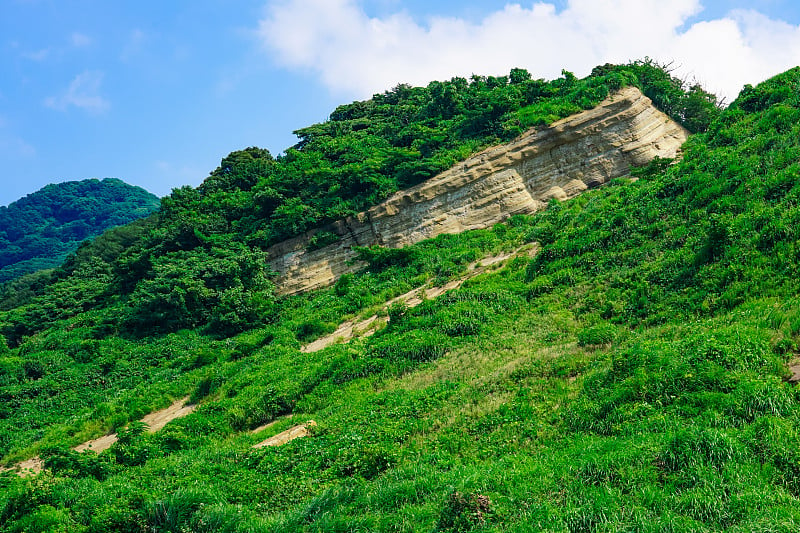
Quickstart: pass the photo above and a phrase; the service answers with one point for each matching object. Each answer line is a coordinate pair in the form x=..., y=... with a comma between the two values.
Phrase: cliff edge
x=574, y=154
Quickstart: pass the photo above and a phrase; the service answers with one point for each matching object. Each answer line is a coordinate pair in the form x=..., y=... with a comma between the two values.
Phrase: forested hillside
x=39, y=231
x=203, y=263
x=623, y=369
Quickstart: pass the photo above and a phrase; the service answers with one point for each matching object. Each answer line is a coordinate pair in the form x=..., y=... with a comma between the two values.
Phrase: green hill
x=628, y=376
x=39, y=231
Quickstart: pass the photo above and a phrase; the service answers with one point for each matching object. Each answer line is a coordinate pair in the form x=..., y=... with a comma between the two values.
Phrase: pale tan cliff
x=574, y=154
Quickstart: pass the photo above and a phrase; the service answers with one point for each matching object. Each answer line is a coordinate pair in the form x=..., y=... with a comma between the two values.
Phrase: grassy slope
x=627, y=378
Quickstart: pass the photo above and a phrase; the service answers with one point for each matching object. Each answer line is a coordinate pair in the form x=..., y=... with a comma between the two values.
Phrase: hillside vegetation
x=202, y=265
x=629, y=376
x=39, y=231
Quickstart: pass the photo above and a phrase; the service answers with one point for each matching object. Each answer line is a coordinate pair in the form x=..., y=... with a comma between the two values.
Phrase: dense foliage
x=369, y=150
x=202, y=264
x=39, y=231
x=628, y=377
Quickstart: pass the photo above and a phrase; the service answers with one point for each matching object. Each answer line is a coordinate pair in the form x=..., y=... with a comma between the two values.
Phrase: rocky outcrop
x=574, y=154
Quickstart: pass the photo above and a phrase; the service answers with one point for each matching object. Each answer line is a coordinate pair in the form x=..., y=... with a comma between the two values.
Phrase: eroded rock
x=573, y=155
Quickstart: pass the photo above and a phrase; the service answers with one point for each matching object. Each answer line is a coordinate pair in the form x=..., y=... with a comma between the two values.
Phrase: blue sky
x=157, y=92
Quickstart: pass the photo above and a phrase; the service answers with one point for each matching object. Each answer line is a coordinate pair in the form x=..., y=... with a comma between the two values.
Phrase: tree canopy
x=204, y=251
x=39, y=231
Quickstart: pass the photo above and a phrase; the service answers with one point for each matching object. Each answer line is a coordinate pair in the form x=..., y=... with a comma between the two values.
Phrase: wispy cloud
x=79, y=40
x=76, y=40
x=133, y=45
x=38, y=55
x=11, y=145
x=359, y=55
x=83, y=92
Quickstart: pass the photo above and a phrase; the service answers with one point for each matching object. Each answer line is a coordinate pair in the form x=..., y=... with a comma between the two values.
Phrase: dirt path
x=794, y=368
x=346, y=331
x=366, y=327
x=286, y=436
x=155, y=421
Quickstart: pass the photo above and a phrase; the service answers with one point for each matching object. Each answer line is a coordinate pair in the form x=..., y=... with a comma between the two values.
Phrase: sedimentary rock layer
x=561, y=161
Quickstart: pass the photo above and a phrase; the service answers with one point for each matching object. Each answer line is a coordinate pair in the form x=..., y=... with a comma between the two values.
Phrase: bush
x=313, y=328
x=464, y=512
x=461, y=319
x=695, y=447
x=208, y=384
x=69, y=463
x=322, y=239
x=171, y=514
x=416, y=345
x=364, y=461
x=380, y=258
x=134, y=446
x=597, y=335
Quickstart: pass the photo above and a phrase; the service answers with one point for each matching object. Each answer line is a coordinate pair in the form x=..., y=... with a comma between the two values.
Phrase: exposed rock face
x=574, y=154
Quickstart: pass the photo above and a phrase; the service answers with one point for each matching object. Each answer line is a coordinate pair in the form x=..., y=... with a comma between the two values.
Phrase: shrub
x=416, y=345
x=544, y=233
x=597, y=335
x=379, y=257
x=69, y=463
x=170, y=514
x=134, y=447
x=396, y=312
x=462, y=319
x=208, y=384
x=313, y=328
x=322, y=239
x=693, y=447
x=45, y=519
x=463, y=512
x=359, y=368
x=364, y=461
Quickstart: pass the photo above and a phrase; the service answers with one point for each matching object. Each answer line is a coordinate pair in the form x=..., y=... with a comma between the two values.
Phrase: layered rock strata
x=574, y=154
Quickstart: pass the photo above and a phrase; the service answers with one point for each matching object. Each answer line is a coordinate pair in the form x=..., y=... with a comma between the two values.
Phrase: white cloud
x=11, y=145
x=38, y=55
x=358, y=55
x=134, y=44
x=76, y=40
x=83, y=92
x=80, y=40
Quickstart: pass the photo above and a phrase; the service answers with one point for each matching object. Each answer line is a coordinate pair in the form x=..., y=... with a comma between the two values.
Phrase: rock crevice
x=574, y=154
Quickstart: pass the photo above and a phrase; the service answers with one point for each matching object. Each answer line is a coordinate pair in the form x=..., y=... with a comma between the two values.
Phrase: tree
x=239, y=170
x=519, y=75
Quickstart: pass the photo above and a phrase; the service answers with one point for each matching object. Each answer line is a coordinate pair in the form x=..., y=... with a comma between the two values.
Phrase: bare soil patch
x=794, y=368
x=155, y=421
x=289, y=435
x=366, y=327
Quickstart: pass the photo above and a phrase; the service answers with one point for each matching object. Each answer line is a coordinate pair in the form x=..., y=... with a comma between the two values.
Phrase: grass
x=548, y=417
x=629, y=377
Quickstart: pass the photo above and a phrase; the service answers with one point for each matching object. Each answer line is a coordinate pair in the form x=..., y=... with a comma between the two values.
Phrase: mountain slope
x=39, y=231
x=582, y=151
x=203, y=264
x=629, y=376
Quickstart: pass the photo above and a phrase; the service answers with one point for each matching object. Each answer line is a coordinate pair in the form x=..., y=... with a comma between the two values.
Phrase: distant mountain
x=41, y=229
